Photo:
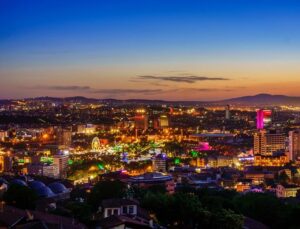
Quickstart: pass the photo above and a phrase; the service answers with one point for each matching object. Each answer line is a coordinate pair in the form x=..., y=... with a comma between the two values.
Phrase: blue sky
x=101, y=48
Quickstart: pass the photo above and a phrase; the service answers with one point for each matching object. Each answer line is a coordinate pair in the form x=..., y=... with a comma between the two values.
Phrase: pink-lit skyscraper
x=263, y=118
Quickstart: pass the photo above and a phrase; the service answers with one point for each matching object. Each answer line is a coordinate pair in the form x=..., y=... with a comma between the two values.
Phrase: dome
x=44, y=192
x=36, y=185
x=57, y=187
x=18, y=182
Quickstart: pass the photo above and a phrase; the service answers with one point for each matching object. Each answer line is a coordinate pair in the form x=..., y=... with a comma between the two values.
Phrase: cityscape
x=149, y=114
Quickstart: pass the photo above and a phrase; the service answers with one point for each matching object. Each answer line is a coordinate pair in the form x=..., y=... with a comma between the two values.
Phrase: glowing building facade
x=294, y=145
x=263, y=118
x=267, y=143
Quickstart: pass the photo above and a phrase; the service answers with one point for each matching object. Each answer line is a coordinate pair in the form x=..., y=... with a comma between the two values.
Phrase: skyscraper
x=227, y=112
x=163, y=121
x=61, y=162
x=63, y=137
x=141, y=120
x=268, y=142
x=294, y=145
x=263, y=118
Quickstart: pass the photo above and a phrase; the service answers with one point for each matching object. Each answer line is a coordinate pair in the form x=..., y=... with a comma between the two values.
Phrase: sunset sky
x=152, y=49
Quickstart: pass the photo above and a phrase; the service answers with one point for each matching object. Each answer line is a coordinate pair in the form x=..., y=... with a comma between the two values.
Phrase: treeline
x=187, y=208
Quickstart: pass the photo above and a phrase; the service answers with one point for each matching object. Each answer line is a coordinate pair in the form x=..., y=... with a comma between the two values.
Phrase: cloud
x=127, y=91
x=181, y=79
x=206, y=89
x=63, y=88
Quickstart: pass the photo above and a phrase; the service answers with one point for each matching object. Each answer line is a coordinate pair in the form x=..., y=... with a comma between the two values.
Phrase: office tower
x=268, y=142
x=141, y=120
x=61, y=162
x=227, y=112
x=160, y=163
x=63, y=137
x=294, y=145
x=3, y=135
x=6, y=163
x=163, y=121
x=263, y=118
x=1, y=163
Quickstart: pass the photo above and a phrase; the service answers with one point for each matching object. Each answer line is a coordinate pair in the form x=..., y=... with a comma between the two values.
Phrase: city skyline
x=171, y=50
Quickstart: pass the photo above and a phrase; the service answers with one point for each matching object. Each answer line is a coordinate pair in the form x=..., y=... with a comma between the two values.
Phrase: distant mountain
x=264, y=99
x=260, y=99
x=79, y=99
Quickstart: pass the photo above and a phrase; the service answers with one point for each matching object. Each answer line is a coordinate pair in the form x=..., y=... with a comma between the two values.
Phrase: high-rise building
x=294, y=145
x=263, y=118
x=3, y=135
x=5, y=163
x=159, y=163
x=61, y=163
x=63, y=137
x=163, y=121
x=268, y=142
x=141, y=120
x=227, y=112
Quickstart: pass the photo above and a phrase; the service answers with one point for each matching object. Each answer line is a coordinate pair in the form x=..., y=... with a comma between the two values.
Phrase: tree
x=20, y=197
x=181, y=210
x=227, y=219
x=262, y=207
x=80, y=211
x=106, y=190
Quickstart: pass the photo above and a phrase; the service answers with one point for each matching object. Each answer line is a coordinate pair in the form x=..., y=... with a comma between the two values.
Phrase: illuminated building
x=221, y=161
x=141, y=121
x=96, y=146
x=202, y=179
x=152, y=179
x=1, y=163
x=43, y=169
x=242, y=187
x=258, y=177
x=263, y=118
x=286, y=190
x=50, y=171
x=198, y=162
x=227, y=112
x=64, y=137
x=8, y=163
x=159, y=163
x=86, y=129
x=294, y=145
x=61, y=162
x=274, y=160
x=266, y=143
x=163, y=121
x=3, y=135
x=203, y=146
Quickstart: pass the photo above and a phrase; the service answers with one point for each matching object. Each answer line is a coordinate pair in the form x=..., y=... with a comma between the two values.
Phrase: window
x=130, y=209
x=124, y=209
x=115, y=211
x=109, y=212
